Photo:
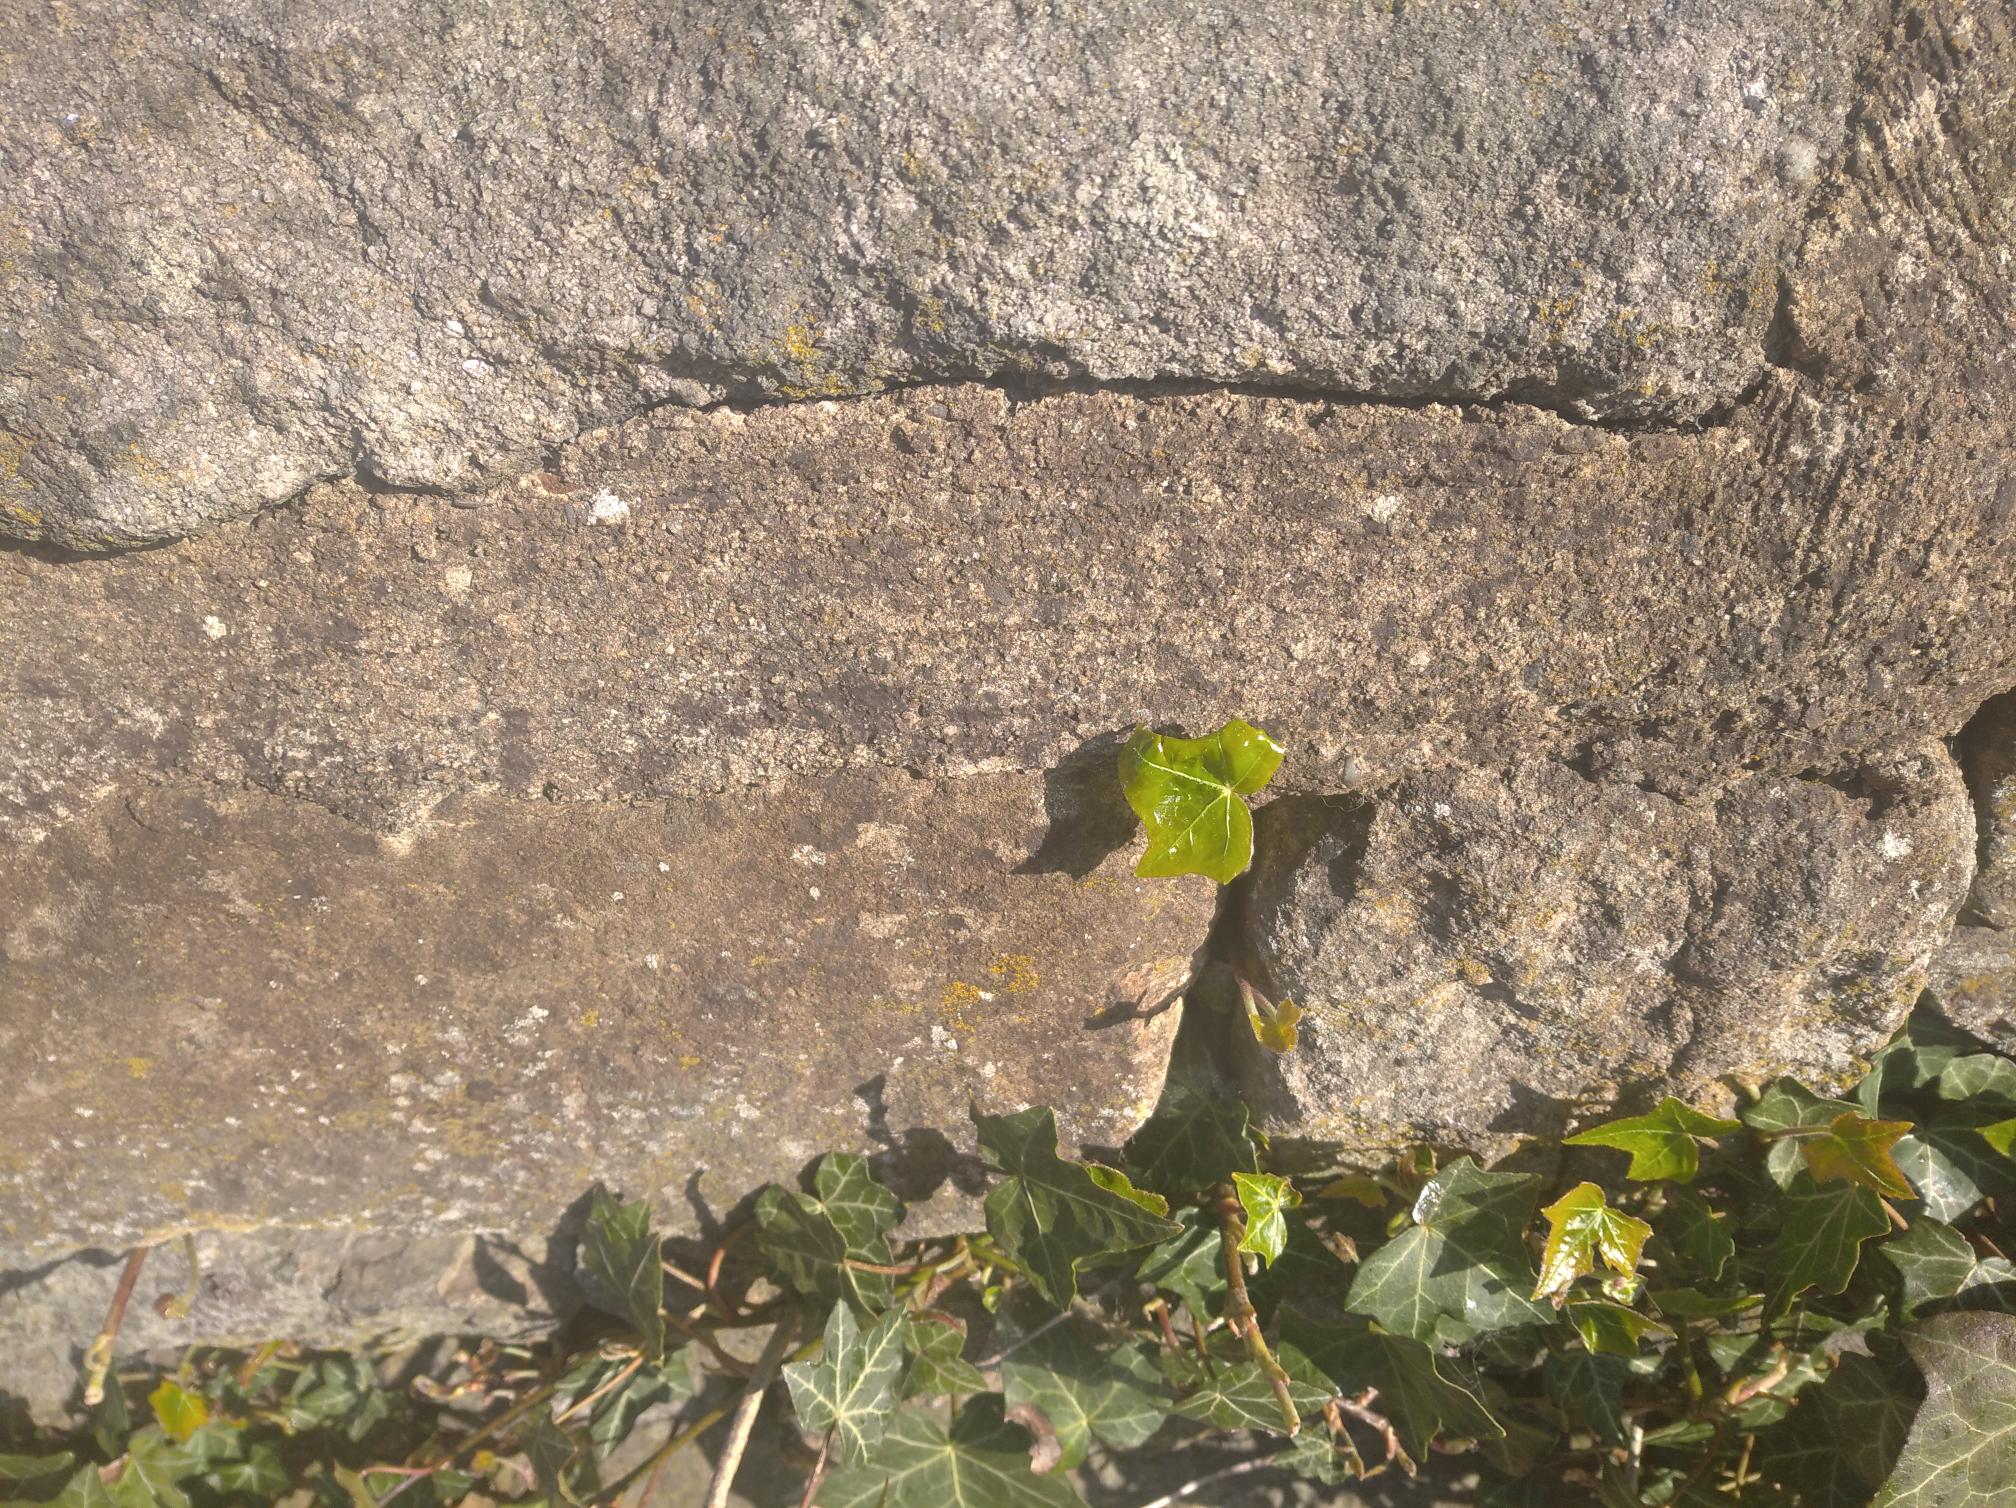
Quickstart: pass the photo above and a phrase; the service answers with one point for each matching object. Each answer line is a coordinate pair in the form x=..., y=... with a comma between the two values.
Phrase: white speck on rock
x=608, y=508
x=457, y=579
x=214, y=626
x=1893, y=846
x=1384, y=508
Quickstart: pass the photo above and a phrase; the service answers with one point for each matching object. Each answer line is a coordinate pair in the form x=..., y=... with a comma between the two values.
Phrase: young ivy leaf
x=1661, y=1144
x=1188, y=793
x=1265, y=1198
x=1276, y=1026
x=981, y=1462
x=1049, y=1215
x=851, y=1388
x=1193, y=1141
x=1858, y=1149
x=625, y=1254
x=180, y=1413
x=1583, y=1230
x=1612, y=1329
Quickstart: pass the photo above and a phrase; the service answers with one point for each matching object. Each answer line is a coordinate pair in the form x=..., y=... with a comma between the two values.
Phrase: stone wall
x=658, y=522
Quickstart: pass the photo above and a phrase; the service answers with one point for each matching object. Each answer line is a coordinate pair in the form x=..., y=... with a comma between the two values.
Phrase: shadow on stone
x=1087, y=813
x=918, y=1162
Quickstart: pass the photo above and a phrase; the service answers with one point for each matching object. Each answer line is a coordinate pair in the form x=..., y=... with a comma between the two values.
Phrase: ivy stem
x=623, y=1375
x=1239, y=1312
x=818, y=1471
x=503, y=1421
x=744, y=1420
x=98, y=1360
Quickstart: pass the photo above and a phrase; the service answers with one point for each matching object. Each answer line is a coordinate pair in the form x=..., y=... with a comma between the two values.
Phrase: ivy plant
x=1808, y=1305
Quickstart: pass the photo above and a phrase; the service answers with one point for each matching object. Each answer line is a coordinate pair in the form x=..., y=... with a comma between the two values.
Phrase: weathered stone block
x=248, y=247
x=1483, y=952
x=1987, y=751
x=1973, y=981
x=242, y=1011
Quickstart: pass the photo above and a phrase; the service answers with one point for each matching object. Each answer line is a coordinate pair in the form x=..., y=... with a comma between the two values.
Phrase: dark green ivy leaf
x=1697, y=1235
x=1589, y=1389
x=625, y=1256
x=811, y=1238
x=1612, y=1329
x=981, y=1462
x=936, y=1343
x=1237, y=1394
x=1048, y=1214
x=1193, y=1142
x=1113, y=1394
x=336, y=1393
x=1961, y=1450
x=154, y=1466
x=1788, y=1106
x=1940, y=1271
x=1190, y=1264
x=1419, y=1400
x=1190, y=796
x=1821, y=1230
x=20, y=1470
x=1838, y=1445
x=1464, y=1262
x=851, y=1388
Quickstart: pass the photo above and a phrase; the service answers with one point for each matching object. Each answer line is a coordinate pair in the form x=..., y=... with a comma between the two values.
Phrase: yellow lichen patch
x=1016, y=971
x=689, y=1060
x=591, y=1018
x=138, y=1067
x=952, y=1004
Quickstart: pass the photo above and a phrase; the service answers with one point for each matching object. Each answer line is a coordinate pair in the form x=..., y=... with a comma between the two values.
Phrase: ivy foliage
x=1808, y=1306
x=1190, y=796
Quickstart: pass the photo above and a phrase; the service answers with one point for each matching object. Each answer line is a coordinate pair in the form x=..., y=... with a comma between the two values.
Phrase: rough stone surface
x=245, y=1012
x=1974, y=983
x=247, y=247
x=344, y=1290
x=1987, y=750
x=1482, y=952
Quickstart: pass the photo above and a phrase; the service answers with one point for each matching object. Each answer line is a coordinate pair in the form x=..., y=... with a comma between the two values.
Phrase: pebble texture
x=1483, y=953
x=249, y=247
x=245, y=1012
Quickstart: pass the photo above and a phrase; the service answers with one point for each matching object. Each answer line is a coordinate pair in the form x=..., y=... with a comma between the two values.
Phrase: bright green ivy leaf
x=937, y=1368
x=1691, y=1303
x=1612, y=1329
x=1266, y=1199
x=1820, y=1233
x=1582, y=1230
x=1463, y=1263
x=1662, y=1144
x=851, y=1388
x=1193, y=1142
x=1697, y=1235
x=624, y=1254
x=1188, y=793
x=1589, y=1389
x=1048, y=1214
x=981, y=1462
x=1961, y=1450
x=1237, y=1394
x=1417, y=1397
x=1857, y=1149
x=1113, y=1181
x=179, y=1412
x=1113, y=1394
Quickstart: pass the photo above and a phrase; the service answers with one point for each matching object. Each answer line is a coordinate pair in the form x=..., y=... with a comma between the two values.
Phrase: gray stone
x=1987, y=752
x=244, y=1012
x=1973, y=983
x=1482, y=953
x=341, y=1290
x=247, y=247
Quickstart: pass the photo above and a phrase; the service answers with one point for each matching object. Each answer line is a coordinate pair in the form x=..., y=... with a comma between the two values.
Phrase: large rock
x=1481, y=953
x=1973, y=983
x=246, y=247
x=242, y=1011
x=343, y=1290
x=1987, y=750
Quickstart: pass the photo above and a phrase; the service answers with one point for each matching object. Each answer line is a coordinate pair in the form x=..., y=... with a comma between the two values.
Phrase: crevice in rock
x=1986, y=751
